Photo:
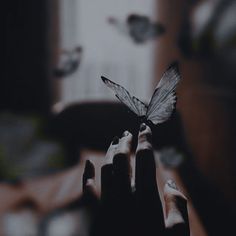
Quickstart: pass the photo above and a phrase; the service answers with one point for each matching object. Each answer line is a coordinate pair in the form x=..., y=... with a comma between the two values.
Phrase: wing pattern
x=163, y=100
x=141, y=106
x=133, y=103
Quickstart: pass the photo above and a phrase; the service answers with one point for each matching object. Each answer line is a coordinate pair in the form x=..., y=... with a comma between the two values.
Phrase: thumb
x=176, y=221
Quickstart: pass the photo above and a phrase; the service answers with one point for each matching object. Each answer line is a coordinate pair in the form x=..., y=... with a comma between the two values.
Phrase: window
x=106, y=51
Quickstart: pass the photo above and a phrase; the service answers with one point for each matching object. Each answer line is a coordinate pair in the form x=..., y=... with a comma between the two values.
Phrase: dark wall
x=26, y=59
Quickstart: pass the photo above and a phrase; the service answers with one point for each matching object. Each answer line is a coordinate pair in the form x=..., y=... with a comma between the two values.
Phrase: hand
x=136, y=210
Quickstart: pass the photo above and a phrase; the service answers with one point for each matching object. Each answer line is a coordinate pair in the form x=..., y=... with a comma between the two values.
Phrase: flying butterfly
x=162, y=103
x=138, y=27
x=69, y=62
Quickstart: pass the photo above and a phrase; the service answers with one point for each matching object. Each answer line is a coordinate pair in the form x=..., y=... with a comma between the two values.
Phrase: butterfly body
x=143, y=119
x=162, y=103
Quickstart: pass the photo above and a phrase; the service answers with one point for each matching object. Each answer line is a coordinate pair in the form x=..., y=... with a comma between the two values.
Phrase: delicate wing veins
x=163, y=99
x=133, y=103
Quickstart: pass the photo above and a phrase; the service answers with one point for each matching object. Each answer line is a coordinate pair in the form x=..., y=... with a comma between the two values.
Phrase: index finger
x=121, y=165
x=147, y=195
x=145, y=168
x=107, y=178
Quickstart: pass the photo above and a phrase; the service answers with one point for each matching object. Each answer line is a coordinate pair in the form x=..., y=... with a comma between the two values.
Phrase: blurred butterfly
x=140, y=28
x=163, y=100
x=69, y=62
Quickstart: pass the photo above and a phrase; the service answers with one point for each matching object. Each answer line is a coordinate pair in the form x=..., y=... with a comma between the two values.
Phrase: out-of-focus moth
x=163, y=100
x=140, y=28
x=69, y=62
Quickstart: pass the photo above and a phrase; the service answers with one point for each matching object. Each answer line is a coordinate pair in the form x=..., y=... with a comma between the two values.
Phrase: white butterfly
x=163, y=100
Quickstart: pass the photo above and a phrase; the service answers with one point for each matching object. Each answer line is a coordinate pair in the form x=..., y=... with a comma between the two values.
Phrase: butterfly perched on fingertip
x=162, y=103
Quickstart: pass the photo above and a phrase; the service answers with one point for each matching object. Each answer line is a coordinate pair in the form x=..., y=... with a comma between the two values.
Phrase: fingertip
x=121, y=159
x=90, y=189
x=89, y=173
x=125, y=143
x=144, y=138
x=145, y=133
x=126, y=133
x=175, y=207
x=89, y=170
x=176, y=220
x=90, y=183
x=142, y=127
x=115, y=140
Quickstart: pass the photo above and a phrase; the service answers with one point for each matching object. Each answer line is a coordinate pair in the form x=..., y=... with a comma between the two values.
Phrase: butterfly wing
x=133, y=103
x=140, y=106
x=163, y=100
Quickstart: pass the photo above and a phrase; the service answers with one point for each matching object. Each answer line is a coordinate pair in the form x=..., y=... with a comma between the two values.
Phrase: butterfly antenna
x=104, y=79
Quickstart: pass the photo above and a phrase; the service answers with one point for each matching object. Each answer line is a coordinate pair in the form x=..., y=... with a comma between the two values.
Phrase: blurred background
x=55, y=112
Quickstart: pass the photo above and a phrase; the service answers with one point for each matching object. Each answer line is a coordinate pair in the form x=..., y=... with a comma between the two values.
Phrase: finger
x=121, y=165
x=145, y=174
x=176, y=221
x=88, y=175
x=111, y=150
x=107, y=171
x=107, y=183
x=124, y=145
x=89, y=188
x=123, y=204
x=121, y=160
x=147, y=196
x=144, y=138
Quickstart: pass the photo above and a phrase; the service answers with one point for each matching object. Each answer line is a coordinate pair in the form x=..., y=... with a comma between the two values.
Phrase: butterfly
x=162, y=103
x=141, y=28
x=69, y=62
x=138, y=27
